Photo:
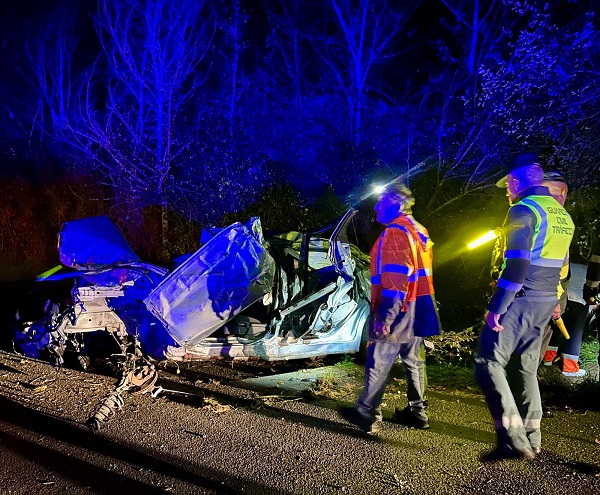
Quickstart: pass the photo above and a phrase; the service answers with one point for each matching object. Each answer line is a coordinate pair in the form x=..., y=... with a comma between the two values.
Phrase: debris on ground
x=213, y=405
x=136, y=381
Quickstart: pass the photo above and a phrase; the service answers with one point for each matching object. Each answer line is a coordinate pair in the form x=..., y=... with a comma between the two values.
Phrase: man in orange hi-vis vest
x=403, y=311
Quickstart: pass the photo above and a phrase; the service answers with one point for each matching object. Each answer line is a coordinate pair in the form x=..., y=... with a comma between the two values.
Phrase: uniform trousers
x=380, y=360
x=506, y=369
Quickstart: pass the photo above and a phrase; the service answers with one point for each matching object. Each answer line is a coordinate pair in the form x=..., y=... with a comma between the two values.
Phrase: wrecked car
x=240, y=295
x=103, y=309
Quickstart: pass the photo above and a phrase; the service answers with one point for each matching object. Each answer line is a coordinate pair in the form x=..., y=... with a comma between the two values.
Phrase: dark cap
x=521, y=160
x=554, y=176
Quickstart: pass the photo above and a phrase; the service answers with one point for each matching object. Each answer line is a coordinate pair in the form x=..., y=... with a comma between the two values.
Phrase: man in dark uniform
x=538, y=233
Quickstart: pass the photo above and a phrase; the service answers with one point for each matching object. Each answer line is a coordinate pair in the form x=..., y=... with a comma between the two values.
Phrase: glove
x=589, y=293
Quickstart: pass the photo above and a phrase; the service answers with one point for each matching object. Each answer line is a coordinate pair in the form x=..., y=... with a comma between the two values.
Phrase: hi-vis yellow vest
x=553, y=232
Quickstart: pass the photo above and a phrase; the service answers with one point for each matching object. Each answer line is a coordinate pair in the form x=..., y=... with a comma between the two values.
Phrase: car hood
x=226, y=275
x=92, y=242
x=98, y=252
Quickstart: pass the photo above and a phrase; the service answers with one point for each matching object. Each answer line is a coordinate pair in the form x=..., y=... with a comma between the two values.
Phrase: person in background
x=591, y=287
x=592, y=282
x=556, y=350
x=403, y=311
x=538, y=234
x=565, y=352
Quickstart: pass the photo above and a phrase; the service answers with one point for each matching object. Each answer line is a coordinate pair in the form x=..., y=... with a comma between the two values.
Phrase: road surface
x=226, y=439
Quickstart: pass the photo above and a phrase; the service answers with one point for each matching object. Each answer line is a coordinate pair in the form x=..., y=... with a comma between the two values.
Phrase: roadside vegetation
x=450, y=367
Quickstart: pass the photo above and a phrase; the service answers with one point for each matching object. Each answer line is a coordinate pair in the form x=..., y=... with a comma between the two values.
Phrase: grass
x=440, y=376
x=588, y=354
x=557, y=391
x=447, y=376
x=347, y=363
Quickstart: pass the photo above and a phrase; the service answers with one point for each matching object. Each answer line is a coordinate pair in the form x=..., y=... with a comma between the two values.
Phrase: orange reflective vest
x=401, y=274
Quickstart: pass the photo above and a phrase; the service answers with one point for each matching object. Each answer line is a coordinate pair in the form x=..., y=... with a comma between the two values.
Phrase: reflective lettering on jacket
x=538, y=234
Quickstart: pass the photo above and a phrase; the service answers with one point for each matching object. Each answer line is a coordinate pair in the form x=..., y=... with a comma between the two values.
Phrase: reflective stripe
x=517, y=253
x=399, y=227
x=548, y=262
x=393, y=294
x=378, y=264
x=513, y=421
x=532, y=423
x=553, y=231
x=505, y=284
x=539, y=235
x=398, y=275
x=392, y=268
x=395, y=268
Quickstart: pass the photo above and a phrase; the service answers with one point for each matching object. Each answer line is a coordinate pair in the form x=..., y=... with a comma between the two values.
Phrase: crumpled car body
x=230, y=272
x=239, y=296
x=110, y=281
x=314, y=307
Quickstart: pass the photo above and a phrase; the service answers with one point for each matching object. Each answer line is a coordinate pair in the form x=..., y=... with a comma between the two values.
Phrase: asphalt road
x=258, y=442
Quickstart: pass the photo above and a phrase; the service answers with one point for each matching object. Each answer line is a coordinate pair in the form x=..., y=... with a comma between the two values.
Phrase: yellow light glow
x=488, y=236
x=47, y=273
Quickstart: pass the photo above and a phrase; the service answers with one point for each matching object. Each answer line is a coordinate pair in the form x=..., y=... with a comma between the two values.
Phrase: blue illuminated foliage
x=200, y=107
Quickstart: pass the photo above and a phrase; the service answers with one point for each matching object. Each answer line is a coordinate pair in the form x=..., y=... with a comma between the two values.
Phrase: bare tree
x=134, y=102
x=534, y=89
x=51, y=57
x=285, y=40
x=480, y=26
x=366, y=35
x=233, y=24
